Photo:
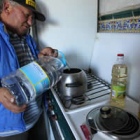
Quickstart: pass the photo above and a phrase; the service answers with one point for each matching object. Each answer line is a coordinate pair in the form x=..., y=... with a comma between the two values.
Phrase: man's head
x=19, y=15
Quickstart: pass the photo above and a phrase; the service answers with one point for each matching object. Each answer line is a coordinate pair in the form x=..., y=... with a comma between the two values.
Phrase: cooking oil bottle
x=139, y=111
x=118, y=82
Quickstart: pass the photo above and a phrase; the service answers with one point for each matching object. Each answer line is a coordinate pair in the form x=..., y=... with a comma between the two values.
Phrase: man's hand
x=8, y=101
x=48, y=51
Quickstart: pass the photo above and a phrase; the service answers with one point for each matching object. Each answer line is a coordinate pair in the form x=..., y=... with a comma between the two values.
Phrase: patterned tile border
x=125, y=25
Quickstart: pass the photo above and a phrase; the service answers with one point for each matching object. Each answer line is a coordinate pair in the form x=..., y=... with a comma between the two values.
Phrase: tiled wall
x=131, y=25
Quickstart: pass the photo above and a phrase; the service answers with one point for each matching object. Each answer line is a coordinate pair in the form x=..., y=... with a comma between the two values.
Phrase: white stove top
x=76, y=115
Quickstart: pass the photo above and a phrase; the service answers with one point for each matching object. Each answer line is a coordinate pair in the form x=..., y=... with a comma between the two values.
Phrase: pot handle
x=86, y=132
x=76, y=84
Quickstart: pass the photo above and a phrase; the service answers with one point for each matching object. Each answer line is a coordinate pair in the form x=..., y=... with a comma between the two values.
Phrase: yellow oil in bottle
x=118, y=85
x=139, y=112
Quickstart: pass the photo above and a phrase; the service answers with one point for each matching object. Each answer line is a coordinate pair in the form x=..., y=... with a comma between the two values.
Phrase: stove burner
x=78, y=100
x=130, y=131
x=131, y=127
x=68, y=101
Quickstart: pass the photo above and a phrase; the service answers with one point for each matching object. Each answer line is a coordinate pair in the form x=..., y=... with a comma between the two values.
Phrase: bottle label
x=118, y=92
x=37, y=77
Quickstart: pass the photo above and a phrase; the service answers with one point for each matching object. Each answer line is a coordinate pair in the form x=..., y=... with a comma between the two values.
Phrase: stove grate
x=96, y=89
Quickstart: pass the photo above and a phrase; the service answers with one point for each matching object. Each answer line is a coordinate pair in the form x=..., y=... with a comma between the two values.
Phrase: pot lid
x=107, y=118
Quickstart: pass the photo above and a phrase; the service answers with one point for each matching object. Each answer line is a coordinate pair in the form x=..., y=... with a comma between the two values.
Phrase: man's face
x=20, y=19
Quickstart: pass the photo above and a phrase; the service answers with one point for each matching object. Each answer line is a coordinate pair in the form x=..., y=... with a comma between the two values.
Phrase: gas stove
x=97, y=90
x=97, y=94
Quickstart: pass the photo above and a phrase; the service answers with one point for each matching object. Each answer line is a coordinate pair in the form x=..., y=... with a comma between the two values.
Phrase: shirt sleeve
x=34, y=46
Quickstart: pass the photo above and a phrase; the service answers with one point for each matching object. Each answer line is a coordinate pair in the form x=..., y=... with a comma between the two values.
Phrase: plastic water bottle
x=34, y=78
x=118, y=82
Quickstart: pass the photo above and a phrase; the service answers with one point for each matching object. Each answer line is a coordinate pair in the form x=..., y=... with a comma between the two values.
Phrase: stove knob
x=48, y=101
x=50, y=107
x=54, y=117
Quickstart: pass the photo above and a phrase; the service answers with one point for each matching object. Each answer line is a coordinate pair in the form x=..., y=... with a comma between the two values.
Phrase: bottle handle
x=63, y=60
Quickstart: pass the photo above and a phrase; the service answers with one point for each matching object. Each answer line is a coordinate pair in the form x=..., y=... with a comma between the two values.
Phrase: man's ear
x=7, y=7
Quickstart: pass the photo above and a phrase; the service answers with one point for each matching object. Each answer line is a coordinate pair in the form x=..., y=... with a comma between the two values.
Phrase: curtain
x=113, y=6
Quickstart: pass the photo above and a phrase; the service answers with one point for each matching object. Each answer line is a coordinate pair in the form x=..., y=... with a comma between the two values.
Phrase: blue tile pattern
x=127, y=25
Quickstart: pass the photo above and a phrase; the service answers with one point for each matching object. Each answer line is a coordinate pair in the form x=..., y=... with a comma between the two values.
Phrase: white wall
x=70, y=27
x=107, y=46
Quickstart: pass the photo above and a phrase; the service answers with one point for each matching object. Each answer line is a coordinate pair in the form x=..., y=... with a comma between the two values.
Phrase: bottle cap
x=120, y=54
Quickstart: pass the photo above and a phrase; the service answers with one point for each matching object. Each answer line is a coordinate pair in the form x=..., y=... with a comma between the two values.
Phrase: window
x=119, y=16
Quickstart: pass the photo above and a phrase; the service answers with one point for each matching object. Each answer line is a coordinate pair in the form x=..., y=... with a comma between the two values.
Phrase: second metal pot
x=73, y=83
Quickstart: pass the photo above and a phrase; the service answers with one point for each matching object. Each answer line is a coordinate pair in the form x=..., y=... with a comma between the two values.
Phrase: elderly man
x=17, y=48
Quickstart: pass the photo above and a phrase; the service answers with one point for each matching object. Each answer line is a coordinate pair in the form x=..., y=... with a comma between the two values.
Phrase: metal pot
x=73, y=83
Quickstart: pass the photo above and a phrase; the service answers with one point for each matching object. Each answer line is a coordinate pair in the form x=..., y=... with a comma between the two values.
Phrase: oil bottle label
x=37, y=77
x=118, y=92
